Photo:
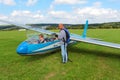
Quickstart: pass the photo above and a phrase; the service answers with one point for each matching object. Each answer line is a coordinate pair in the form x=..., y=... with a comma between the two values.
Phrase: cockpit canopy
x=34, y=38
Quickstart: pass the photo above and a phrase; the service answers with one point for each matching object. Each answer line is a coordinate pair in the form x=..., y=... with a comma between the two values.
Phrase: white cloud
x=70, y=1
x=31, y=2
x=3, y=16
x=79, y=15
x=61, y=17
x=8, y=2
x=98, y=14
x=93, y=11
x=97, y=4
x=59, y=14
x=21, y=13
x=26, y=16
x=26, y=13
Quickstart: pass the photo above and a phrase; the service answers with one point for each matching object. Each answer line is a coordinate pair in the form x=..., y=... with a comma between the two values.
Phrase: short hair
x=41, y=35
x=61, y=25
x=56, y=35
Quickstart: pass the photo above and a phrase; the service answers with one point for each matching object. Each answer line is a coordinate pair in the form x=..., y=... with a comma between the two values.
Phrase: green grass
x=90, y=62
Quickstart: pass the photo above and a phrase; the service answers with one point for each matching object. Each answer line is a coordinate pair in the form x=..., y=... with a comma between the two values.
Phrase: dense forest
x=111, y=25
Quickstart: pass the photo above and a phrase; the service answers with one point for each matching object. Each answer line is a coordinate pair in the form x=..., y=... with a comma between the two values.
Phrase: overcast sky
x=60, y=11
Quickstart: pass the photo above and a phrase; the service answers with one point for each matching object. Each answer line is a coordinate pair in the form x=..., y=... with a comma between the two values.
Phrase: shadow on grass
x=38, y=56
x=87, y=51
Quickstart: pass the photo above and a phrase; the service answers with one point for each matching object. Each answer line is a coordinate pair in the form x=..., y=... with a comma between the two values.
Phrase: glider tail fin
x=85, y=29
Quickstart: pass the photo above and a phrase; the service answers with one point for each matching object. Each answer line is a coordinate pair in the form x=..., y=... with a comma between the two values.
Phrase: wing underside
x=93, y=41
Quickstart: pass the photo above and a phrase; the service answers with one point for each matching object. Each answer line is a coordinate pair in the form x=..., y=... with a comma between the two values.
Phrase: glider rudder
x=85, y=29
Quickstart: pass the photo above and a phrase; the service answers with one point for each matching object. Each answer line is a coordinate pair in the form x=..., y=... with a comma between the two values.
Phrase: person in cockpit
x=41, y=38
x=56, y=37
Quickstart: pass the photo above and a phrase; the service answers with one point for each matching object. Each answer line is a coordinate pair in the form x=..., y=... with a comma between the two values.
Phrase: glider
x=31, y=47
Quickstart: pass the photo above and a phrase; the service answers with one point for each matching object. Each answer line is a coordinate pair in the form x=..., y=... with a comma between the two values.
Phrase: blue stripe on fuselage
x=33, y=47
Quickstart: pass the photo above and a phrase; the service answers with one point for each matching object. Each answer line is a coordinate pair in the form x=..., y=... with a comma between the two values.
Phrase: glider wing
x=29, y=27
x=94, y=41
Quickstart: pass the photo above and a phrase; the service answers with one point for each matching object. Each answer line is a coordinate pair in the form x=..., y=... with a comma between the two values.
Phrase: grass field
x=90, y=62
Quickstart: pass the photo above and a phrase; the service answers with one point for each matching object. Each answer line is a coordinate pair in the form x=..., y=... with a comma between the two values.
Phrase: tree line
x=110, y=25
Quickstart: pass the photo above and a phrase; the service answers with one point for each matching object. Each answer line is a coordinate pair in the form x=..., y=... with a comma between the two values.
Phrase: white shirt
x=62, y=36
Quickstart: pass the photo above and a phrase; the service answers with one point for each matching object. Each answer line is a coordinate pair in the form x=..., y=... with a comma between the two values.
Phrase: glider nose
x=22, y=48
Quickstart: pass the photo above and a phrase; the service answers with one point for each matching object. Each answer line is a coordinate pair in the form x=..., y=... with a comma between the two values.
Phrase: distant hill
x=69, y=26
x=81, y=26
x=9, y=27
x=106, y=25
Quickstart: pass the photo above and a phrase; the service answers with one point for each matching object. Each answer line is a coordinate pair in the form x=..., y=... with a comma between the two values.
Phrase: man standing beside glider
x=64, y=36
